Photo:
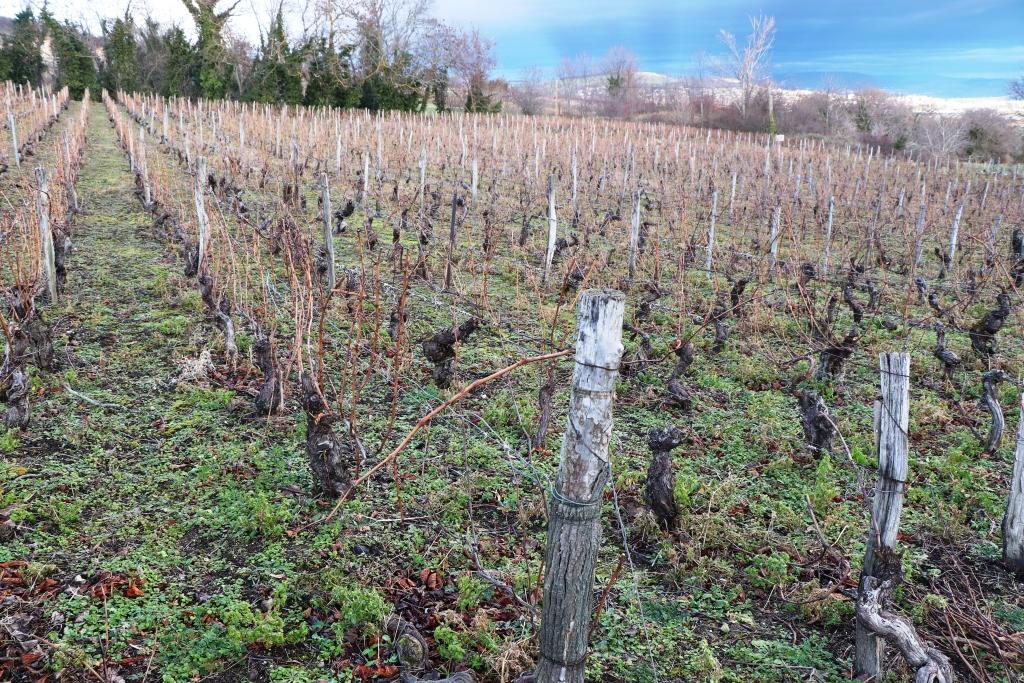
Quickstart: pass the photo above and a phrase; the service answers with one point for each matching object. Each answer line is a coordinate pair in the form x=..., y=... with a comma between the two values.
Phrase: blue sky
x=946, y=48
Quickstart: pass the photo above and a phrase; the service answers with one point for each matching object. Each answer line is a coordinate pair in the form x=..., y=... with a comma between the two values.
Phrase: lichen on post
x=1013, y=521
x=893, y=423
x=574, y=528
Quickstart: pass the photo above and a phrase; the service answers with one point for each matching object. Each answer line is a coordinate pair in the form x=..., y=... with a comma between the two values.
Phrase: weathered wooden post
x=325, y=207
x=202, y=222
x=634, y=234
x=277, y=138
x=475, y=179
x=575, y=182
x=72, y=192
x=828, y=236
x=954, y=233
x=147, y=193
x=364, y=187
x=452, y=236
x=552, y=227
x=423, y=177
x=47, y=251
x=1013, y=522
x=711, y=233
x=893, y=421
x=16, y=154
x=774, y=238
x=574, y=515
x=922, y=215
x=732, y=195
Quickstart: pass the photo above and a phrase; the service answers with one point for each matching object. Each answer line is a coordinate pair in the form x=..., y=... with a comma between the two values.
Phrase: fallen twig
x=90, y=401
x=425, y=420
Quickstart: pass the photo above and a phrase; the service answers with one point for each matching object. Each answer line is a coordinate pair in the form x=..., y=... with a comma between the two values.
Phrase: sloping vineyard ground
x=153, y=527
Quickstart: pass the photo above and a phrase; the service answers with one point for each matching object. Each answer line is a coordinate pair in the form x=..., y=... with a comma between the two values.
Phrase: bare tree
x=240, y=53
x=572, y=85
x=1017, y=89
x=531, y=91
x=748, y=63
x=991, y=135
x=832, y=113
x=620, y=67
x=474, y=61
x=880, y=118
x=819, y=113
x=699, y=98
x=438, y=50
x=387, y=31
x=939, y=136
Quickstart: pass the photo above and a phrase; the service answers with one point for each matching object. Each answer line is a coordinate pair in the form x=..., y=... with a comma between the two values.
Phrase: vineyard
x=303, y=394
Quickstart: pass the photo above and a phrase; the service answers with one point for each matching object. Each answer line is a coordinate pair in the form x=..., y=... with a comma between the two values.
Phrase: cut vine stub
x=983, y=334
x=819, y=429
x=328, y=453
x=440, y=350
x=659, y=491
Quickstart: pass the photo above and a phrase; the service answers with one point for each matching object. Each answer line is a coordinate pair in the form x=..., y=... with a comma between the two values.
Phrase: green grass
x=177, y=485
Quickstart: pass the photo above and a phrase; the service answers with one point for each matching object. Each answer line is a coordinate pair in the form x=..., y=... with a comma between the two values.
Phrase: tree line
x=372, y=54
x=394, y=55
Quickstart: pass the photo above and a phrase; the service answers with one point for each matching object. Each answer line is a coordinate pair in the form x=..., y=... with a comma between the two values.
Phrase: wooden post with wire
x=552, y=227
x=892, y=423
x=13, y=127
x=47, y=251
x=711, y=234
x=634, y=234
x=202, y=221
x=574, y=513
x=1013, y=522
x=325, y=208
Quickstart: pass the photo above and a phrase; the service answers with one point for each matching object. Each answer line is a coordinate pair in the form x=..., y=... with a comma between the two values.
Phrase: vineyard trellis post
x=732, y=195
x=72, y=192
x=711, y=233
x=575, y=181
x=325, y=205
x=475, y=178
x=922, y=215
x=773, y=244
x=12, y=125
x=48, y=253
x=574, y=517
x=202, y=222
x=892, y=423
x=147, y=193
x=364, y=184
x=1013, y=522
x=449, y=265
x=634, y=234
x=828, y=235
x=954, y=232
x=552, y=227
x=423, y=177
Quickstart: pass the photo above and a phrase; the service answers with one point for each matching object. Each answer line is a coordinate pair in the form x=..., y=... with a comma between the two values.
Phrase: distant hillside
x=726, y=89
